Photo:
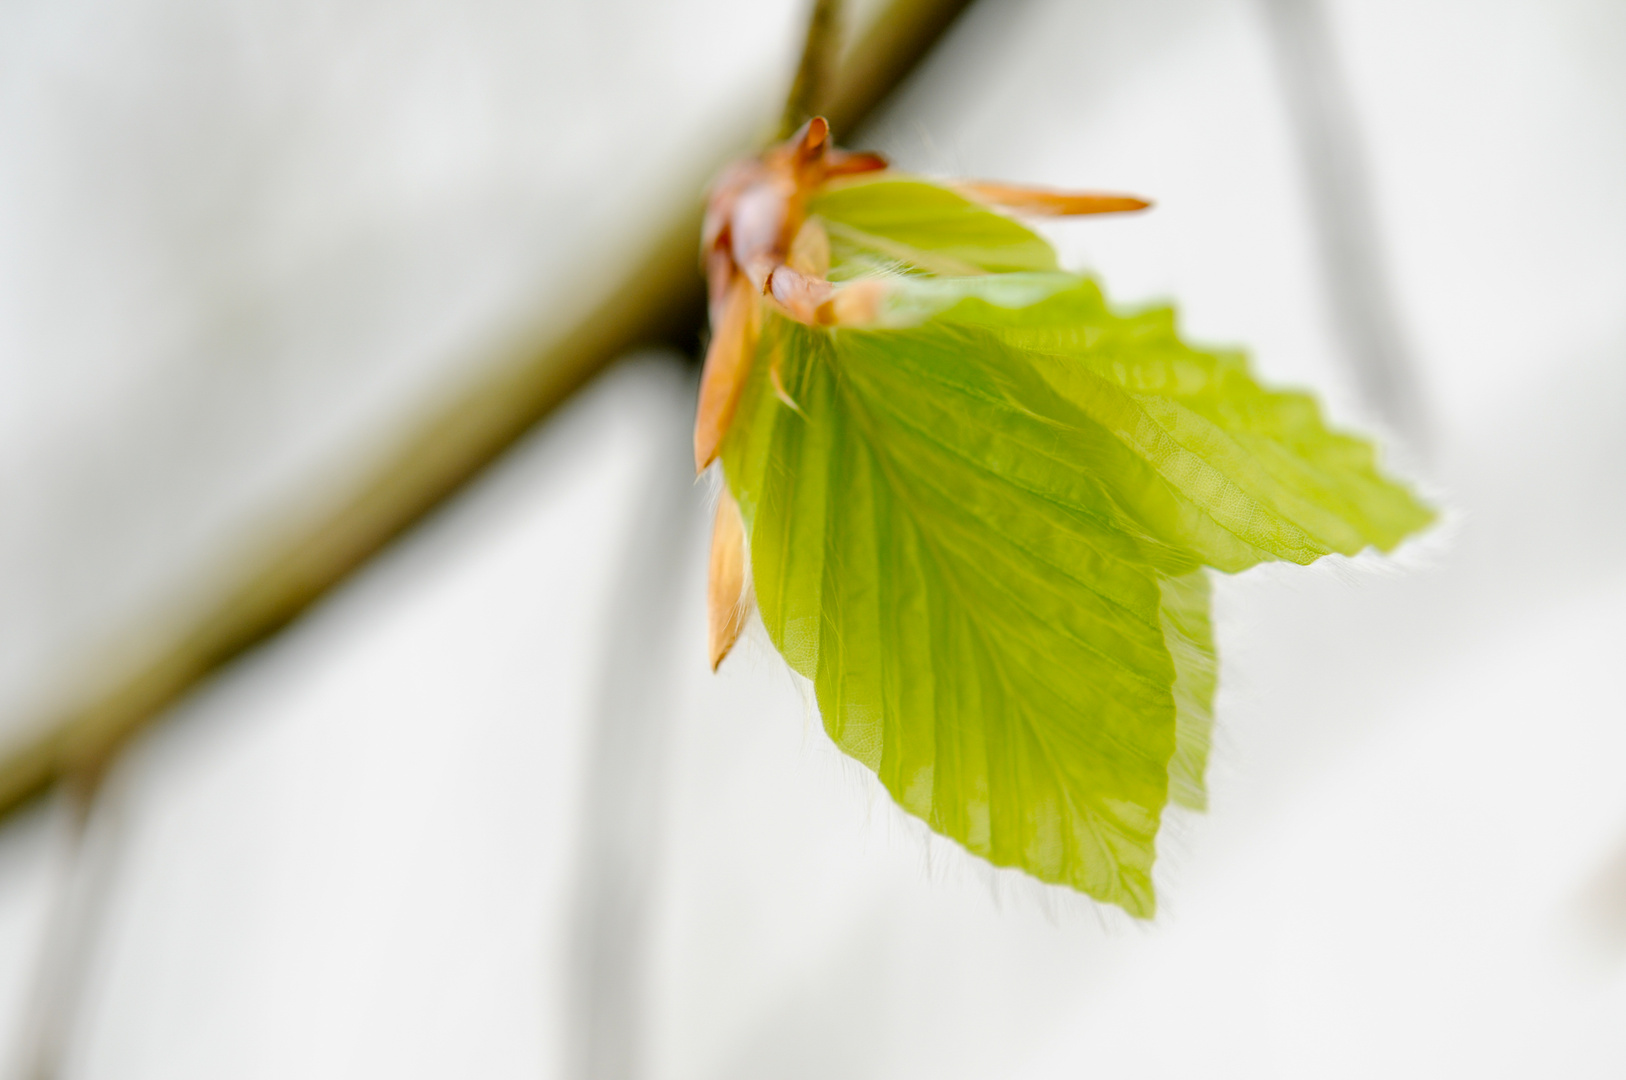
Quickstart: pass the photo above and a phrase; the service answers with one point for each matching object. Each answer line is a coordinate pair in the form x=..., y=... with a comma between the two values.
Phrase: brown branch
x=898, y=40
x=815, y=75
x=659, y=298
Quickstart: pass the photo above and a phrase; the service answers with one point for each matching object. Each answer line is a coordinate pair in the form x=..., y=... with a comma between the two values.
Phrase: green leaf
x=981, y=531
x=1250, y=474
x=994, y=653
x=906, y=223
x=1188, y=633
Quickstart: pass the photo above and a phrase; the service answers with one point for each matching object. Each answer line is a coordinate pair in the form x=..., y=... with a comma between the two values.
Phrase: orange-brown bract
x=1044, y=202
x=727, y=598
x=758, y=249
x=752, y=217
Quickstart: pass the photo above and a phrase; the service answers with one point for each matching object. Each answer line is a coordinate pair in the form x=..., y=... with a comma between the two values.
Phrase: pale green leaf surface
x=1258, y=464
x=924, y=226
x=982, y=527
x=994, y=652
x=1188, y=633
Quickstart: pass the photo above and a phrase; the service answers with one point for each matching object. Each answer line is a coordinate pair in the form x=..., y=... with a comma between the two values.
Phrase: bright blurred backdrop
x=485, y=812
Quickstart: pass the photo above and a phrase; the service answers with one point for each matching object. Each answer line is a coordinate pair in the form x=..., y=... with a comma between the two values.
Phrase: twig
x=899, y=38
x=815, y=75
x=658, y=299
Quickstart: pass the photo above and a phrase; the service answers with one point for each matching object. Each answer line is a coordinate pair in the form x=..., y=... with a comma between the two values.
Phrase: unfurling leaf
x=979, y=522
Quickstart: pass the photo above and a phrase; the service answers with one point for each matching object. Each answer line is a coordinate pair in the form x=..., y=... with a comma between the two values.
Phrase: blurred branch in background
x=1344, y=218
x=620, y=844
x=86, y=865
x=658, y=297
x=815, y=75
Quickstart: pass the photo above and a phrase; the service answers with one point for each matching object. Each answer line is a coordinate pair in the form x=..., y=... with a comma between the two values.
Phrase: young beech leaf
x=885, y=217
x=994, y=580
x=980, y=521
x=1189, y=634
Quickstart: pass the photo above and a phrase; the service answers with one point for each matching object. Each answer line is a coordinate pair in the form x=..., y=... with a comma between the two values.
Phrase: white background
x=240, y=243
